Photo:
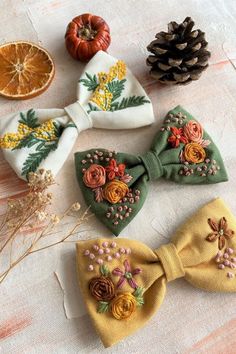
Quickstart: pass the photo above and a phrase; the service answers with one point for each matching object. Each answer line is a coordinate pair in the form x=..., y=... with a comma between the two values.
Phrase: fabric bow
x=115, y=185
x=109, y=97
x=123, y=283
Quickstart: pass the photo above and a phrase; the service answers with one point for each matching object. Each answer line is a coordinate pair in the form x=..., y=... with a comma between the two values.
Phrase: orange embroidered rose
x=194, y=153
x=193, y=132
x=94, y=176
x=123, y=305
x=115, y=190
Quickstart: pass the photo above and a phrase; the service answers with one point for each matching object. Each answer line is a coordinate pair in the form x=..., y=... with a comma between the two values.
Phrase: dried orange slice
x=26, y=70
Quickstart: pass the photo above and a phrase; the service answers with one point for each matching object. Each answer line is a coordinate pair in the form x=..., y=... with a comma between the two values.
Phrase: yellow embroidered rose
x=123, y=305
x=194, y=153
x=115, y=190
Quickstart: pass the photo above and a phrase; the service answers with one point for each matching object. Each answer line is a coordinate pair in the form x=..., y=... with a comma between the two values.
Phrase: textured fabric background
x=43, y=313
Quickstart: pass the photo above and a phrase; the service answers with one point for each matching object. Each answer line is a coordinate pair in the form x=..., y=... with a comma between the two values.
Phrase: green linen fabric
x=181, y=151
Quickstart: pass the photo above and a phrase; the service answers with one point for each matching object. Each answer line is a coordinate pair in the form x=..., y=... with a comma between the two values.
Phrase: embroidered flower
x=114, y=191
x=220, y=232
x=126, y=275
x=194, y=133
x=123, y=306
x=177, y=137
x=194, y=153
x=102, y=288
x=115, y=169
x=95, y=176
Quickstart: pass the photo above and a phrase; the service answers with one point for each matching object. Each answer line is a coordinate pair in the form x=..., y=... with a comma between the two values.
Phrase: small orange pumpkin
x=86, y=35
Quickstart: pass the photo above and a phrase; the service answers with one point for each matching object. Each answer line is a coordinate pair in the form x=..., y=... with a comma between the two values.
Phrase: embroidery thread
x=107, y=88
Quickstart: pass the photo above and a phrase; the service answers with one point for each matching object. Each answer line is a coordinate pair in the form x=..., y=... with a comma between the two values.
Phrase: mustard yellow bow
x=123, y=282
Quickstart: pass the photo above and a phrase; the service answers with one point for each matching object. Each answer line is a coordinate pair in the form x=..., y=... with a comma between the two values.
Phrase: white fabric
x=77, y=113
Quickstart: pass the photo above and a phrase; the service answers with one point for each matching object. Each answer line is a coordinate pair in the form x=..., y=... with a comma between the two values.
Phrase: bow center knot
x=170, y=261
x=79, y=116
x=153, y=165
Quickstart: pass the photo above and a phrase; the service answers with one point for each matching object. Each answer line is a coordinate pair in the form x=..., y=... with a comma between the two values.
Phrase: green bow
x=115, y=185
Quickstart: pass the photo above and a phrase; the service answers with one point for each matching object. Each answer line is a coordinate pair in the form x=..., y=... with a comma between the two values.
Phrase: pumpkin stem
x=87, y=33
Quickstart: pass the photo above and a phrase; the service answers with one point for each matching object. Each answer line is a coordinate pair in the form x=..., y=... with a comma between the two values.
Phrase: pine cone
x=180, y=55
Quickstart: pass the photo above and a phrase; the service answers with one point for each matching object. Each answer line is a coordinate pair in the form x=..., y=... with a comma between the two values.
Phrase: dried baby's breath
x=27, y=224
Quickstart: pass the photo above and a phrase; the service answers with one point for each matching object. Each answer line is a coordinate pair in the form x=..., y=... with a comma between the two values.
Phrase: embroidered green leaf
x=92, y=108
x=132, y=101
x=138, y=291
x=34, y=159
x=116, y=87
x=58, y=129
x=138, y=294
x=91, y=82
x=29, y=119
x=102, y=306
x=104, y=270
x=28, y=141
x=140, y=301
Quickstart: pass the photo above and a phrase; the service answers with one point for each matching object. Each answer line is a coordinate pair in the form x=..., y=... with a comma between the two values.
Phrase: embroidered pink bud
x=218, y=260
x=96, y=152
x=111, y=209
x=226, y=256
x=91, y=160
x=101, y=158
x=180, y=121
x=107, y=250
x=229, y=250
x=230, y=275
x=214, y=162
x=120, y=208
x=137, y=192
x=233, y=259
x=105, y=244
x=167, y=121
x=95, y=157
x=129, y=210
x=199, y=169
x=91, y=256
x=181, y=172
x=113, y=244
x=219, y=254
x=109, y=258
x=107, y=159
x=126, y=215
x=129, y=195
x=122, y=250
x=108, y=215
x=136, y=198
x=115, y=223
x=86, y=252
x=121, y=217
x=83, y=170
x=100, y=251
x=83, y=162
x=207, y=160
x=210, y=172
x=187, y=173
x=221, y=266
x=232, y=265
x=90, y=268
x=110, y=154
x=204, y=168
x=168, y=128
x=100, y=153
x=185, y=168
x=116, y=215
x=128, y=251
x=95, y=247
x=162, y=129
x=117, y=255
x=131, y=200
x=88, y=156
x=124, y=200
x=226, y=263
x=99, y=261
x=203, y=175
x=186, y=163
x=191, y=171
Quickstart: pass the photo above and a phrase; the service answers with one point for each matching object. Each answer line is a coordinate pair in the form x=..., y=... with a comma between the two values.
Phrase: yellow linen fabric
x=189, y=255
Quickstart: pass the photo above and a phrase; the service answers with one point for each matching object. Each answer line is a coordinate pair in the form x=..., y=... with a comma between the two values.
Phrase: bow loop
x=152, y=165
x=170, y=261
x=108, y=97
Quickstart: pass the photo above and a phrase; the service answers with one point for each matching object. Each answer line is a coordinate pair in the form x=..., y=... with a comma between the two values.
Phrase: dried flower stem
x=28, y=211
